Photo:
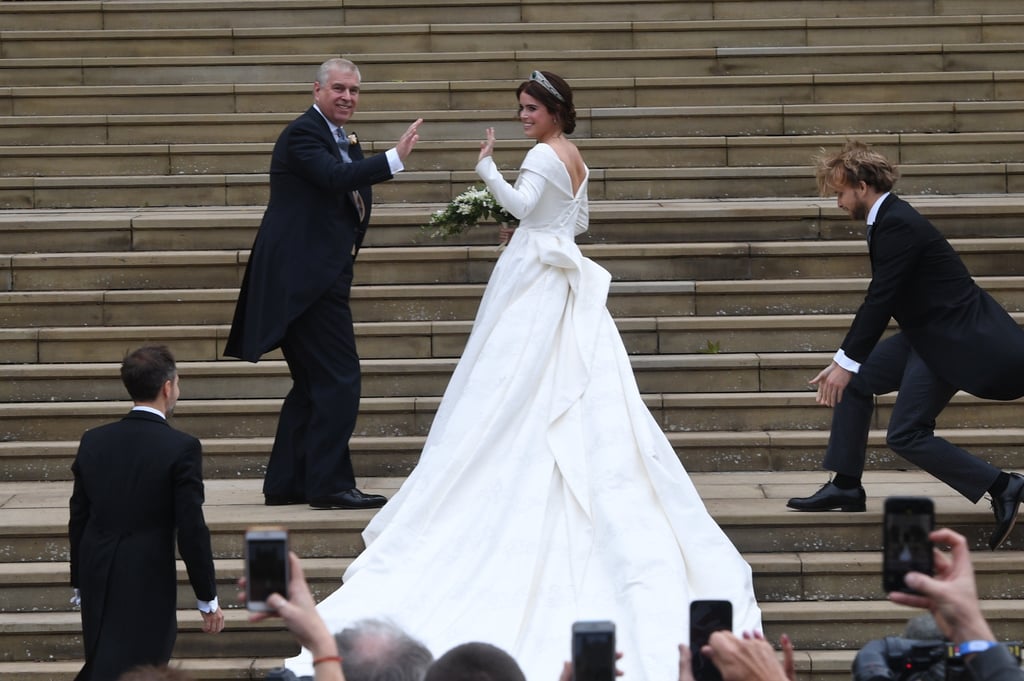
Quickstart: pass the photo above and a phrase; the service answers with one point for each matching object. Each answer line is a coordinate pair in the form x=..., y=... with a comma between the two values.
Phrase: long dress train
x=546, y=492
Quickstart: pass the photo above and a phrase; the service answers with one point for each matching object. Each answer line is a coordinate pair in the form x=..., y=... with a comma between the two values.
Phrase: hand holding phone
x=593, y=651
x=266, y=566
x=907, y=523
x=707, y=617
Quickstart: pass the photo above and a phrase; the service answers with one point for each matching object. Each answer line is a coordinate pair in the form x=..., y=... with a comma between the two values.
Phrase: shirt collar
x=151, y=410
x=873, y=213
x=332, y=126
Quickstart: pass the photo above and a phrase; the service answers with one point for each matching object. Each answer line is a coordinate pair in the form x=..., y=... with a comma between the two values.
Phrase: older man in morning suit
x=295, y=292
x=138, y=482
x=952, y=336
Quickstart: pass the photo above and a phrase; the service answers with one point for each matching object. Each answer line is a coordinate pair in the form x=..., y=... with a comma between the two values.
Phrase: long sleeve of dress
x=518, y=199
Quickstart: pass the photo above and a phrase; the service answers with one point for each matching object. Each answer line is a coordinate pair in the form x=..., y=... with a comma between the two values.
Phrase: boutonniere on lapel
x=352, y=139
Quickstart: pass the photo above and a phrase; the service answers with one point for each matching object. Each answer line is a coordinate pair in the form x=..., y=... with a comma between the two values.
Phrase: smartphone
x=266, y=566
x=707, y=617
x=593, y=651
x=905, y=544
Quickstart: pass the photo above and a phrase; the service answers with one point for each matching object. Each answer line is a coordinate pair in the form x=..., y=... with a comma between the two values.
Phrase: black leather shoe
x=831, y=498
x=349, y=498
x=1005, y=508
x=279, y=500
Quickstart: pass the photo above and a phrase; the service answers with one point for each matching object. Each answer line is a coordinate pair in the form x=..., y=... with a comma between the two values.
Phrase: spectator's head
x=377, y=650
x=154, y=673
x=475, y=662
x=146, y=371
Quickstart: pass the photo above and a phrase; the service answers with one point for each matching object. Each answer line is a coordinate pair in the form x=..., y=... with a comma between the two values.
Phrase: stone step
x=691, y=124
x=387, y=455
x=811, y=625
x=492, y=63
x=420, y=265
x=425, y=339
x=468, y=37
x=141, y=14
x=449, y=302
x=614, y=184
x=778, y=578
x=179, y=228
x=601, y=153
x=749, y=506
x=470, y=95
x=100, y=382
x=198, y=669
x=411, y=416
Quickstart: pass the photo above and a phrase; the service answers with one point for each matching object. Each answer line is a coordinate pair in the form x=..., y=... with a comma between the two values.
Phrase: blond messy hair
x=856, y=162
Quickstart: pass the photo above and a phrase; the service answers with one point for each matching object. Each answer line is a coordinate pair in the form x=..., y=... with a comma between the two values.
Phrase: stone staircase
x=135, y=137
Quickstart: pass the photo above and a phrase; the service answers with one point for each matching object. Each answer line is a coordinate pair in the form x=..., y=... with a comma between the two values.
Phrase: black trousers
x=311, y=457
x=893, y=365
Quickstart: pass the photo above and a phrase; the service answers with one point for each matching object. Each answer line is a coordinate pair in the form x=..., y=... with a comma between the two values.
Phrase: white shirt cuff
x=842, y=360
x=208, y=606
x=76, y=599
x=394, y=161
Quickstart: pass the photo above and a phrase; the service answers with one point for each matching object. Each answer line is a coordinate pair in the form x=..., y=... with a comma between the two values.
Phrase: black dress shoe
x=1005, y=508
x=280, y=500
x=349, y=498
x=831, y=498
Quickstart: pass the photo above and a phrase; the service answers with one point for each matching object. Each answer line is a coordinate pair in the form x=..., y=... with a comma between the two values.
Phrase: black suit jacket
x=957, y=328
x=309, y=235
x=137, y=483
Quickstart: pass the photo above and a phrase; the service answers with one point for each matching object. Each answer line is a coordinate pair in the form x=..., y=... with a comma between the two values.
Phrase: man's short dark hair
x=379, y=650
x=145, y=371
x=475, y=662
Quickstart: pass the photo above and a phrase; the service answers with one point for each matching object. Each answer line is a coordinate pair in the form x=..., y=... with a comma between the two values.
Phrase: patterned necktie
x=343, y=146
x=355, y=196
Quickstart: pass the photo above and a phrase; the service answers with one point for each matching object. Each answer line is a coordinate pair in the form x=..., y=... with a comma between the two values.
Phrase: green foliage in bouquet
x=468, y=209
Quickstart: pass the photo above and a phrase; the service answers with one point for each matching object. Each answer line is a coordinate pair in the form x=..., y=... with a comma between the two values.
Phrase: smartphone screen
x=707, y=617
x=905, y=545
x=593, y=651
x=266, y=566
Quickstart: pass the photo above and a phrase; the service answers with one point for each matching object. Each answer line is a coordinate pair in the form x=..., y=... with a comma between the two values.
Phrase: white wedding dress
x=546, y=492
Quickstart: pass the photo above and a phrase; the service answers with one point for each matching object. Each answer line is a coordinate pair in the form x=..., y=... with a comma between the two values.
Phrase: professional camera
x=895, y=658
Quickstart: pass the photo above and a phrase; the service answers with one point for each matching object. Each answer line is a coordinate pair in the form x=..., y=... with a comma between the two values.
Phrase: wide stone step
x=449, y=302
x=490, y=63
x=425, y=339
x=470, y=95
x=384, y=455
x=467, y=37
x=643, y=221
x=602, y=152
x=400, y=377
x=611, y=123
x=749, y=506
x=274, y=13
x=613, y=184
x=419, y=265
x=411, y=416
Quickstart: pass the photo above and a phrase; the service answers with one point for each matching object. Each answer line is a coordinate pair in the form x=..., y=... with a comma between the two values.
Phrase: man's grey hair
x=324, y=72
x=379, y=650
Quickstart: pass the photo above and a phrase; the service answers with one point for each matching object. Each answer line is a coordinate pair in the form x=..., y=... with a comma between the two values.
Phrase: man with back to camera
x=952, y=336
x=137, y=483
x=295, y=292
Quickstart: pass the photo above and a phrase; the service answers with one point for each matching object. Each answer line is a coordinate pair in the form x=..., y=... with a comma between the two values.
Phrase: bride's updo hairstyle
x=555, y=94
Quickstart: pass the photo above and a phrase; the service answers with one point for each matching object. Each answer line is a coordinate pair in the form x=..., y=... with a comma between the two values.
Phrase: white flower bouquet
x=466, y=210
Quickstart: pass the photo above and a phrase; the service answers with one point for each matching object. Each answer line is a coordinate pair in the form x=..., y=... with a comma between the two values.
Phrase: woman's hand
x=487, y=146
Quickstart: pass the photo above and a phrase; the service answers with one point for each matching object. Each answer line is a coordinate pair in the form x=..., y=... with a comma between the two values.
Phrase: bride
x=546, y=492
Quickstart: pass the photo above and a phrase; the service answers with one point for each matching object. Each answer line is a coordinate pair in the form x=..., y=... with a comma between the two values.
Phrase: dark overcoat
x=138, y=483
x=309, y=235
x=962, y=334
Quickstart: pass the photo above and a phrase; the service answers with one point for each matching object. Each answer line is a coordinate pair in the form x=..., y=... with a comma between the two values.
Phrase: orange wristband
x=332, y=658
